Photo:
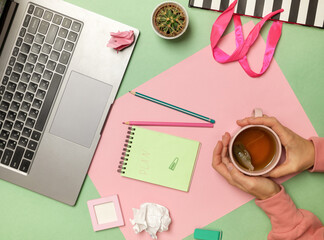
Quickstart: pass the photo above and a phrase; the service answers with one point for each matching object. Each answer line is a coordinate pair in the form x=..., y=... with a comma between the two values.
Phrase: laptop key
x=7, y=96
x=72, y=36
x=15, y=135
x=4, y=81
x=25, y=48
x=43, y=58
x=11, y=144
x=18, y=67
x=12, y=61
x=4, y=106
x=29, y=38
x=58, y=45
x=48, y=15
x=6, y=157
x=54, y=55
x=33, y=113
x=60, y=68
x=40, y=94
x=2, y=115
x=15, y=51
x=46, y=48
x=57, y=19
x=22, y=116
x=31, y=9
x=47, y=104
x=30, y=122
x=36, y=135
x=24, y=166
x=76, y=26
x=25, y=77
x=18, y=96
x=22, y=87
x=7, y=125
x=2, y=90
x=17, y=157
x=15, y=77
x=18, y=125
x=51, y=65
x=32, y=145
x=33, y=26
x=39, y=38
x=26, y=20
x=68, y=46
x=32, y=58
x=14, y=106
x=25, y=106
x=23, y=141
x=11, y=87
x=26, y=132
x=35, y=48
x=29, y=97
x=4, y=134
x=19, y=42
x=63, y=32
x=65, y=56
x=38, y=12
x=43, y=27
x=12, y=115
x=51, y=34
x=2, y=144
x=47, y=75
x=36, y=77
x=22, y=58
x=29, y=154
x=43, y=85
x=37, y=103
x=67, y=23
x=22, y=32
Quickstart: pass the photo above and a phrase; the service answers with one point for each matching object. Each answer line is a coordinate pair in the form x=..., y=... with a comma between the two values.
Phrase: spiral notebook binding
x=126, y=150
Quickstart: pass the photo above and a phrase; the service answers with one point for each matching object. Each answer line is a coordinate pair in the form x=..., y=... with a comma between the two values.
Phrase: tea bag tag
x=257, y=112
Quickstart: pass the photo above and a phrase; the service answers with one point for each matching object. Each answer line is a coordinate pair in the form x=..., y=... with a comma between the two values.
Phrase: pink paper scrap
x=121, y=40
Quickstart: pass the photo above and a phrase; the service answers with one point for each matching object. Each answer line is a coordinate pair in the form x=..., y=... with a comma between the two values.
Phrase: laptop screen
x=7, y=12
x=2, y=6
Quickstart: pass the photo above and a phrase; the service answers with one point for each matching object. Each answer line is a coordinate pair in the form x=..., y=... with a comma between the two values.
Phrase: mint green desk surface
x=25, y=215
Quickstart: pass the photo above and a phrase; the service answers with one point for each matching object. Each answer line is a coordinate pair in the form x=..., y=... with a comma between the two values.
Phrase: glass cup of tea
x=255, y=149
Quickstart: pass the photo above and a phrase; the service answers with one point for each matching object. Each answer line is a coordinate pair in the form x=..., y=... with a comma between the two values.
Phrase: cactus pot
x=170, y=20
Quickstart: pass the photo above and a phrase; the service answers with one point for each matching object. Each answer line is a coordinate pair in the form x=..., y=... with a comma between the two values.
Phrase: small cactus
x=170, y=20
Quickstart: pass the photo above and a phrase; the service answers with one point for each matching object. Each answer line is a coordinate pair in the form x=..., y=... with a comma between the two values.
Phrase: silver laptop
x=58, y=82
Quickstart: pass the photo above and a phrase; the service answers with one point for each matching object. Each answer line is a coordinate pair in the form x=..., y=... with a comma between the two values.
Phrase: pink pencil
x=169, y=124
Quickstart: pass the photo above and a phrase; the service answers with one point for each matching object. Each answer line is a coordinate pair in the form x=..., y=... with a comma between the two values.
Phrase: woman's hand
x=260, y=187
x=300, y=154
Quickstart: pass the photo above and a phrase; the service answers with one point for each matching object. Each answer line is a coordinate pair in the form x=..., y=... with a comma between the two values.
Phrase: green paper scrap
x=160, y=158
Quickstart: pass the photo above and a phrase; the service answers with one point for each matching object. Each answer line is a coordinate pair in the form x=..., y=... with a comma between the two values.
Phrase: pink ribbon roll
x=243, y=46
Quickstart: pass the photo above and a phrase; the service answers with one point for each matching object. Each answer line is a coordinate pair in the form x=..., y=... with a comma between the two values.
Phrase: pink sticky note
x=220, y=91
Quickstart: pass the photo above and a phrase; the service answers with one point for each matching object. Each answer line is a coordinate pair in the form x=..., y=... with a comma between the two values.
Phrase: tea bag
x=243, y=156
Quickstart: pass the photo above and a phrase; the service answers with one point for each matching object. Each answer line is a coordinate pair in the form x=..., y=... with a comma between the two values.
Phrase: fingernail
x=229, y=167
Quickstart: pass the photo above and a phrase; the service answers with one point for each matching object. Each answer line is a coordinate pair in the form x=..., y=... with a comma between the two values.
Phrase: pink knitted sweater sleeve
x=288, y=222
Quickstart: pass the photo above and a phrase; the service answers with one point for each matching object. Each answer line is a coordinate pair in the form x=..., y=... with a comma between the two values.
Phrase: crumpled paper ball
x=152, y=218
x=121, y=40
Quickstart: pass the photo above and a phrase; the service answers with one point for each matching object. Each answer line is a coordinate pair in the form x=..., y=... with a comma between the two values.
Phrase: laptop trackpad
x=81, y=108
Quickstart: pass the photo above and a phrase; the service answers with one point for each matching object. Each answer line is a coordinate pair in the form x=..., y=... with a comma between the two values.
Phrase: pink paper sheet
x=222, y=92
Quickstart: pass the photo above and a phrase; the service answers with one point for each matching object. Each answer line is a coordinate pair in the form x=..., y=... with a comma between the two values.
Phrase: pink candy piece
x=121, y=40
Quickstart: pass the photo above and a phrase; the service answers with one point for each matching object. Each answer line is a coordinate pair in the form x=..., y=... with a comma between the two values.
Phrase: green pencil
x=172, y=107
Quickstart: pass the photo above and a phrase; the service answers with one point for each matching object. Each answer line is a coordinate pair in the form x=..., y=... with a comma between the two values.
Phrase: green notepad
x=159, y=158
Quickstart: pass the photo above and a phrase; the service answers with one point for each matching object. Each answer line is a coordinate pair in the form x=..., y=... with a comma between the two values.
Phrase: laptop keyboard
x=35, y=70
